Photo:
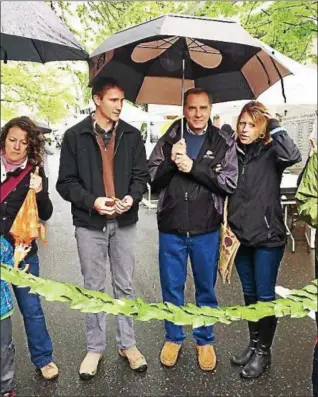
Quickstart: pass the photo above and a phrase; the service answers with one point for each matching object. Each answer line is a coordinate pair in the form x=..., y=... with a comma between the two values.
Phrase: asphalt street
x=292, y=350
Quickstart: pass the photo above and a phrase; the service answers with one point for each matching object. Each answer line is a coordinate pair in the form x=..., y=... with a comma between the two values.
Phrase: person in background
x=264, y=151
x=193, y=175
x=227, y=128
x=21, y=145
x=7, y=364
x=48, y=151
x=216, y=121
x=307, y=197
x=103, y=173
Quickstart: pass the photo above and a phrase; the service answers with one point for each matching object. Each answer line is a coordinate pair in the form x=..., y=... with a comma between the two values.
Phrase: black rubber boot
x=261, y=358
x=248, y=352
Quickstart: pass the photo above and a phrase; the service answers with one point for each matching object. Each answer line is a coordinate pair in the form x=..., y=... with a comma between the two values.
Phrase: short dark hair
x=103, y=84
x=227, y=128
x=196, y=91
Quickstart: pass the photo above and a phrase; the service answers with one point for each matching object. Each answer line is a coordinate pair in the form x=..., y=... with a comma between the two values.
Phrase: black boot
x=248, y=352
x=262, y=355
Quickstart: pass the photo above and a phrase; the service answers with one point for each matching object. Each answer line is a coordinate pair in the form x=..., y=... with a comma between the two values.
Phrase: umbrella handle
x=182, y=96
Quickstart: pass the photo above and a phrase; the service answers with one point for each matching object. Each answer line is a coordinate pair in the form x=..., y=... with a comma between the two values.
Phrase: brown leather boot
x=170, y=353
x=206, y=357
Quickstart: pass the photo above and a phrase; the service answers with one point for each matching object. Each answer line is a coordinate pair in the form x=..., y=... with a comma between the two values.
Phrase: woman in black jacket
x=22, y=149
x=255, y=216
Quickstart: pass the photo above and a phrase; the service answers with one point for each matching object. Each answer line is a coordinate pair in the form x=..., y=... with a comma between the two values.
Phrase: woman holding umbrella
x=255, y=216
x=21, y=146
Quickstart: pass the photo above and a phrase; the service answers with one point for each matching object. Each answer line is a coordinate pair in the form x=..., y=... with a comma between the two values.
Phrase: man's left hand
x=184, y=163
x=124, y=205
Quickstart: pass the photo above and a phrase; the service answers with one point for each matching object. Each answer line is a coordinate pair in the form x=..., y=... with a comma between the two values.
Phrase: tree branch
x=306, y=17
x=305, y=49
x=250, y=12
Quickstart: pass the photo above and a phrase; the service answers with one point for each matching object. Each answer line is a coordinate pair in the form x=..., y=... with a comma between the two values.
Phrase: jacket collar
x=86, y=126
x=173, y=133
x=251, y=151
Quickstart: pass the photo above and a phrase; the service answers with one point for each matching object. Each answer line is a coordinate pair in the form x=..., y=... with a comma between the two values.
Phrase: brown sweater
x=108, y=164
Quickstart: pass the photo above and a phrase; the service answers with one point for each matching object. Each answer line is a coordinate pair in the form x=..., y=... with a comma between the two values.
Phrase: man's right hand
x=105, y=206
x=178, y=148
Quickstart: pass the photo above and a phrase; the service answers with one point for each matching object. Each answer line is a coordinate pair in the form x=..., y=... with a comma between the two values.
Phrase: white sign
x=299, y=128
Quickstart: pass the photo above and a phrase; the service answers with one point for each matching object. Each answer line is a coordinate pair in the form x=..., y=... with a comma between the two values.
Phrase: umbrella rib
x=37, y=51
x=265, y=70
x=5, y=58
x=200, y=47
x=165, y=41
x=281, y=79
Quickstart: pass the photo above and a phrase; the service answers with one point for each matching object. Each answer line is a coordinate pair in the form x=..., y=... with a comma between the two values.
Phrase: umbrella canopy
x=155, y=60
x=31, y=31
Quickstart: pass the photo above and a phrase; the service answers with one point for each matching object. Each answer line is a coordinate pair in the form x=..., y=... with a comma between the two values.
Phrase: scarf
x=8, y=166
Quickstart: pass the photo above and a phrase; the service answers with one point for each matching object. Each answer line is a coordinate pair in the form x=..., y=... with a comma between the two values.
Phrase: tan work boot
x=206, y=357
x=137, y=361
x=170, y=353
x=50, y=371
x=89, y=365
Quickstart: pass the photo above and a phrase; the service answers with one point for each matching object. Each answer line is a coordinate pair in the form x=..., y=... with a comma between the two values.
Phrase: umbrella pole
x=182, y=96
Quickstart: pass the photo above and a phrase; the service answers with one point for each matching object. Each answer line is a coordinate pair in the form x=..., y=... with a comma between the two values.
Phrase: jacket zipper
x=243, y=187
x=187, y=210
x=119, y=139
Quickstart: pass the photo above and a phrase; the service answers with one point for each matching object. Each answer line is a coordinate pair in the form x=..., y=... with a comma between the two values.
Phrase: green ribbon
x=297, y=305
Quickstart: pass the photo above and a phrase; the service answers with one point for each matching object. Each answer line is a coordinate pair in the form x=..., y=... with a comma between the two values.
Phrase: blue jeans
x=39, y=341
x=173, y=255
x=258, y=269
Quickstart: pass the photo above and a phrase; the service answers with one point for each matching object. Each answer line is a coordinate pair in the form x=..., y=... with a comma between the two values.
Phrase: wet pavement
x=292, y=350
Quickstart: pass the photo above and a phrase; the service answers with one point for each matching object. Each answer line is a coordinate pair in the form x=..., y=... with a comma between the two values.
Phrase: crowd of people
x=103, y=173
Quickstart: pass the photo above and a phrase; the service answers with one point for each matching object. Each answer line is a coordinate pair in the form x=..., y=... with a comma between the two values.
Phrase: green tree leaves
x=34, y=88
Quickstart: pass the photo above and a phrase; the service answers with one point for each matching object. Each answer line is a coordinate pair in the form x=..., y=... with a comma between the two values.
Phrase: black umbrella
x=156, y=60
x=31, y=31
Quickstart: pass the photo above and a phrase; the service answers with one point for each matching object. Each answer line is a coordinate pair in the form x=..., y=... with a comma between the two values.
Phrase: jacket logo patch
x=209, y=155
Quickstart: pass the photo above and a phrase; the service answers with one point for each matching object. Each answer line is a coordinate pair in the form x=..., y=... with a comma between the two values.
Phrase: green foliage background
x=52, y=91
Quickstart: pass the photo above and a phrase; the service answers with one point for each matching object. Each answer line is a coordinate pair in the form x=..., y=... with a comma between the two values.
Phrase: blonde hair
x=256, y=110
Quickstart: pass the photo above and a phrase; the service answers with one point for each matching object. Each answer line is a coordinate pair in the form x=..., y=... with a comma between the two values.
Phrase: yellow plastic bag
x=229, y=245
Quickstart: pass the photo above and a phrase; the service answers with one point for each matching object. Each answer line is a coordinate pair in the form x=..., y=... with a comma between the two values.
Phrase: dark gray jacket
x=255, y=213
x=80, y=179
x=192, y=203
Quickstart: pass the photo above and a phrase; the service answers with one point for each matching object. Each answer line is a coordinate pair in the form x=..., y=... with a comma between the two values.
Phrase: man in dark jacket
x=103, y=173
x=194, y=174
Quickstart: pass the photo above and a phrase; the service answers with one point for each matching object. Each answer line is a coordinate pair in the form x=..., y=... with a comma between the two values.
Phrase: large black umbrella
x=156, y=60
x=31, y=31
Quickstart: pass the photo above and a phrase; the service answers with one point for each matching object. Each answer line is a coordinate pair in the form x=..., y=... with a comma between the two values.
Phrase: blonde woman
x=255, y=215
